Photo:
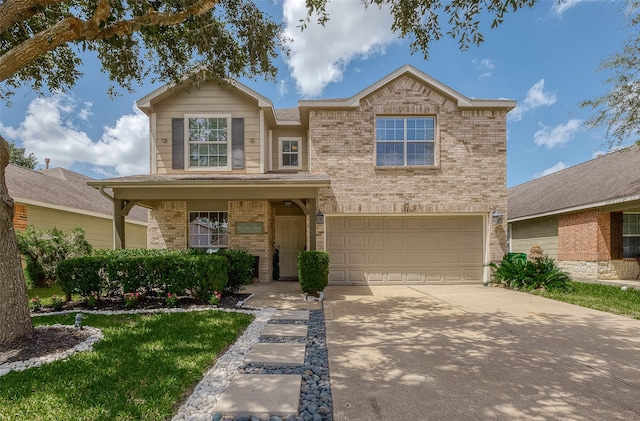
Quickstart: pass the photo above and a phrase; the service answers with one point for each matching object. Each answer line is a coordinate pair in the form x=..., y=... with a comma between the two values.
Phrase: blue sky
x=546, y=58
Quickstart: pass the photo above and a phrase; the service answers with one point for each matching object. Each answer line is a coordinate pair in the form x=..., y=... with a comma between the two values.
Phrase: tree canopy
x=618, y=110
x=20, y=157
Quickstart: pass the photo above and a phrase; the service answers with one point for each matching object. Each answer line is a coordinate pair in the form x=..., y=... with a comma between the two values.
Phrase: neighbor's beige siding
x=98, y=230
x=210, y=98
x=541, y=231
x=470, y=172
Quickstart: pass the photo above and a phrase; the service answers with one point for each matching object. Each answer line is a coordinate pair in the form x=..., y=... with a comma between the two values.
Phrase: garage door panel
x=413, y=250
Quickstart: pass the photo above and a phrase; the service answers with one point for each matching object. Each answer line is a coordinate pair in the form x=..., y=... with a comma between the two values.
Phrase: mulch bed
x=50, y=339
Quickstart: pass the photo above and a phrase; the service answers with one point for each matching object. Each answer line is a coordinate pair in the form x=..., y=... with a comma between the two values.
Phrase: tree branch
x=13, y=11
x=75, y=29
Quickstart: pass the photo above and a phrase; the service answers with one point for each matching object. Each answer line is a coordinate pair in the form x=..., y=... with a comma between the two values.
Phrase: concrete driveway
x=476, y=353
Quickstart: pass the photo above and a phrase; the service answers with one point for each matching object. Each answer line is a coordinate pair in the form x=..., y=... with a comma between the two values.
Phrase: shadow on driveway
x=473, y=352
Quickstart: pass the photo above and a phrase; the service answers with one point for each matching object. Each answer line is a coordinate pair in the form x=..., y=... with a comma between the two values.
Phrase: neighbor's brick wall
x=257, y=244
x=578, y=236
x=470, y=176
x=168, y=226
x=20, y=217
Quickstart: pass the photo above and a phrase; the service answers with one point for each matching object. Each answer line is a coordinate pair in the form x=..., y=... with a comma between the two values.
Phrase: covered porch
x=274, y=216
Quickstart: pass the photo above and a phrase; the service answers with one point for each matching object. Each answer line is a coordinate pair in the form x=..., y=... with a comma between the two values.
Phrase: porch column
x=118, y=224
x=313, y=208
x=121, y=208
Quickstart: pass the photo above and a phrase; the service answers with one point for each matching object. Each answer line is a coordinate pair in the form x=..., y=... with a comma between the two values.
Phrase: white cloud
x=558, y=135
x=558, y=167
x=559, y=7
x=485, y=66
x=49, y=131
x=318, y=55
x=536, y=97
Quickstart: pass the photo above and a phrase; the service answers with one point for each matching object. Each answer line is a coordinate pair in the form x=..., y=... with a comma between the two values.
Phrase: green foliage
x=517, y=272
x=169, y=40
x=19, y=156
x=313, y=271
x=43, y=249
x=240, y=271
x=619, y=109
x=609, y=298
x=114, y=272
x=80, y=275
x=141, y=370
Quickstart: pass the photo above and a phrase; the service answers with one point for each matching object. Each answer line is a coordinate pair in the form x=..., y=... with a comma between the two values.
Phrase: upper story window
x=208, y=140
x=290, y=153
x=631, y=235
x=405, y=141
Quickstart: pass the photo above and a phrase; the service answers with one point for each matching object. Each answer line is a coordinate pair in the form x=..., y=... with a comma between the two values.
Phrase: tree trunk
x=15, y=320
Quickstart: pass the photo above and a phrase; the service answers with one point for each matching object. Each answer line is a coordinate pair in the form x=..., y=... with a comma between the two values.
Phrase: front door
x=290, y=240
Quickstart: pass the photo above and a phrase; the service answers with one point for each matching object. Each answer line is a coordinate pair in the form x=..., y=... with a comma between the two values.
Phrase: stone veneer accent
x=469, y=176
x=20, y=217
x=168, y=226
x=257, y=244
x=585, y=249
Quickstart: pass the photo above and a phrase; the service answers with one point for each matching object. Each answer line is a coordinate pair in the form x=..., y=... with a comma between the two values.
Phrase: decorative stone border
x=87, y=345
x=95, y=333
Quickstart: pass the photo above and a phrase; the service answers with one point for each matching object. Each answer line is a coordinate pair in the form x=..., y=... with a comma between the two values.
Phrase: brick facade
x=257, y=244
x=20, y=217
x=589, y=246
x=470, y=172
x=168, y=226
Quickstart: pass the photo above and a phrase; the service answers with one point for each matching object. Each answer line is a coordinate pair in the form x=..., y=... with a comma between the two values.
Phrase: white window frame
x=187, y=143
x=629, y=235
x=405, y=141
x=209, y=246
x=281, y=140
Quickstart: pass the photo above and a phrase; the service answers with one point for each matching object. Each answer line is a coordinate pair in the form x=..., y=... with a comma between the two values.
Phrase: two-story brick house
x=398, y=182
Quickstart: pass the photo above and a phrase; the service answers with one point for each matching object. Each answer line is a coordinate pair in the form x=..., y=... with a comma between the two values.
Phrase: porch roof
x=154, y=187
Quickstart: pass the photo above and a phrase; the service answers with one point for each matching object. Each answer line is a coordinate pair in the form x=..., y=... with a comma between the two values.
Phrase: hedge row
x=155, y=271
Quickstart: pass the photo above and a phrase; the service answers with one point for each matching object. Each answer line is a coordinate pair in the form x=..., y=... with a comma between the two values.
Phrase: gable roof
x=606, y=180
x=462, y=101
x=61, y=189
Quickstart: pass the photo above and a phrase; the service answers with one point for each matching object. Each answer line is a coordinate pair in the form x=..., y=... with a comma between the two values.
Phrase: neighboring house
x=61, y=198
x=587, y=216
x=398, y=182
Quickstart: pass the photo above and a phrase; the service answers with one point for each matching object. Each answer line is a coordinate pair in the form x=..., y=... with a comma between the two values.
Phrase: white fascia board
x=577, y=208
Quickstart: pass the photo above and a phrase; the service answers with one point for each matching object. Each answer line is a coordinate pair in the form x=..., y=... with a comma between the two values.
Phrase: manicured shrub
x=150, y=272
x=240, y=272
x=80, y=275
x=313, y=271
x=44, y=248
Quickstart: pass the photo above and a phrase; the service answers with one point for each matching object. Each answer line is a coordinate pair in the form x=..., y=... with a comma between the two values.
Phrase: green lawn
x=141, y=369
x=607, y=298
x=45, y=294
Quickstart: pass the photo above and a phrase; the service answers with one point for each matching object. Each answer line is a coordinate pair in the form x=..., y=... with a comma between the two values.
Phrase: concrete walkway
x=476, y=353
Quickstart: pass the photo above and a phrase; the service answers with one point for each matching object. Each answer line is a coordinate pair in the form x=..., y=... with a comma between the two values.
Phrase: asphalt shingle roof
x=61, y=187
x=606, y=178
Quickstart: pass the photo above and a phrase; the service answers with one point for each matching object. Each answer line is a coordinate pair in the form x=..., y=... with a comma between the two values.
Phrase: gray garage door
x=409, y=250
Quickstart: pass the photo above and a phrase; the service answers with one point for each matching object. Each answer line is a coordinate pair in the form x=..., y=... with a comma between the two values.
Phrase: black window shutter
x=177, y=143
x=237, y=142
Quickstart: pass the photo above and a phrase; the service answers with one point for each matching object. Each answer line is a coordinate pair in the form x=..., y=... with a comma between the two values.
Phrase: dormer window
x=208, y=141
x=405, y=141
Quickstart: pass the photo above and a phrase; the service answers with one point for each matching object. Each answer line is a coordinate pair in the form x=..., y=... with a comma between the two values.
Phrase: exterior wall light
x=287, y=203
x=319, y=217
x=497, y=217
